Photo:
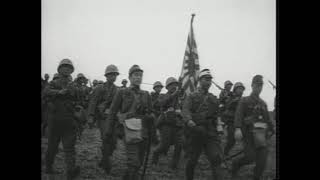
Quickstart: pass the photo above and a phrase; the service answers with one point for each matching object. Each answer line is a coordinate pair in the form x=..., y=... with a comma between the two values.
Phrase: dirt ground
x=88, y=154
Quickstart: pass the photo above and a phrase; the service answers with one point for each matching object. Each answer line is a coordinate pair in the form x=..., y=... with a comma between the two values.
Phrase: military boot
x=73, y=173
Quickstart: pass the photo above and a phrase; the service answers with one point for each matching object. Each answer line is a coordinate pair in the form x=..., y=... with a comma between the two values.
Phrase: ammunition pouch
x=133, y=130
x=260, y=134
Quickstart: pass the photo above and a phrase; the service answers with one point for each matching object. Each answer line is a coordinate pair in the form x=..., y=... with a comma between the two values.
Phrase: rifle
x=219, y=87
x=274, y=86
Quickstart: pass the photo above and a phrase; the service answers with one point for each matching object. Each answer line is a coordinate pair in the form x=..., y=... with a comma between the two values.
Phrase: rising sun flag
x=190, y=67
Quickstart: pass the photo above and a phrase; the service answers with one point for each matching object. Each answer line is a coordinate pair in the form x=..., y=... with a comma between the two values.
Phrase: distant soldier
x=200, y=111
x=135, y=110
x=55, y=76
x=170, y=123
x=225, y=93
x=253, y=122
x=100, y=82
x=45, y=81
x=62, y=122
x=44, y=104
x=157, y=87
x=95, y=83
x=231, y=105
x=99, y=108
x=124, y=83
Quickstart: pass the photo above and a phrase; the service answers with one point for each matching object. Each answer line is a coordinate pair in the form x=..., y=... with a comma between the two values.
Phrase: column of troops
x=191, y=123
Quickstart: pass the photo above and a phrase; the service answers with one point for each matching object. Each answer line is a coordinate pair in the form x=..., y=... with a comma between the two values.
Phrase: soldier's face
x=46, y=76
x=205, y=82
x=111, y=77
x=257, y=88
x=239, y=91
x=228, y=87
x=136, y=78
x=172, y=87
x=158, y=89
x=65, y=70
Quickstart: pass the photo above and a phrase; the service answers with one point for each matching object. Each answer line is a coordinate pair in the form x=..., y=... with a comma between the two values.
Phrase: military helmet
x=257, y=79
x=134, y=68
x=80, y=75
x=95, y=81
x=205, y=72
x=171, y=80
x=111, y=69
x=55, y=76
x=66, y=62
x=238, y=84
x=100, y=82
x=227, y=83
x=157, y=83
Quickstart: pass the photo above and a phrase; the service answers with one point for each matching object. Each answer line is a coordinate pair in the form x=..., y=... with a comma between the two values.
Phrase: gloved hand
x=238, y=134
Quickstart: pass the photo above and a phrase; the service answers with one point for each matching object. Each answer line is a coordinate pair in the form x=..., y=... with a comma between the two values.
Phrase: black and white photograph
x=158, y=90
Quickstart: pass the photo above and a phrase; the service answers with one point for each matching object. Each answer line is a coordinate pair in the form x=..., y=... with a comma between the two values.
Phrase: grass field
x=88, y=154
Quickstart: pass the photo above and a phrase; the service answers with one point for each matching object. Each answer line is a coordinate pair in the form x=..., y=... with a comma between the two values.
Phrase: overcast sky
x=236, y=38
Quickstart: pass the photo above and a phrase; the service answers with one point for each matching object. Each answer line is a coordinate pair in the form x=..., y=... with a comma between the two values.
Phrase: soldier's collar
x=202, y=91
x=134, y=88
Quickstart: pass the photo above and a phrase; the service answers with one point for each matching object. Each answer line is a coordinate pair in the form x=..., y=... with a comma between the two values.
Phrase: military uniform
x=250, y=111
x=202, y=108
x=156, y=112
x=132, y=103
x=99, y=107
x=62, y=125
x=171, y=128
x=228, y=115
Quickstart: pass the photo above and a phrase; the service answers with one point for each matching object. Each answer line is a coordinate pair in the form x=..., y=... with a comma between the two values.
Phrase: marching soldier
x=170, y=123
x=62, y=122
x=135, y=110
x=157, y=87
x=99, y=107
x=225, y=94
x=44, y=82
x=253, y=123
x=200, y=111
x=94, y=83
x=228, y=115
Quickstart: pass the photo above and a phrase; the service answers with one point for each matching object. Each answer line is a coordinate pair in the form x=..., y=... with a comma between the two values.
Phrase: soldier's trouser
x=108, y=144
x=68, y=139
x=168, y=135
x=230, y=138
x=212, y=148
x=252, y=154
x=135, y=156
